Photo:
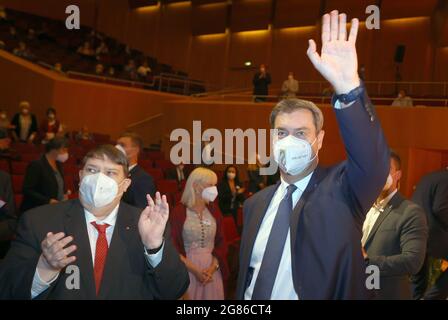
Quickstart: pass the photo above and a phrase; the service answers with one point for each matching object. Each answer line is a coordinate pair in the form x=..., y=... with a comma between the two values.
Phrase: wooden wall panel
x=250, y=15
x=295, y=13
x=209, y=19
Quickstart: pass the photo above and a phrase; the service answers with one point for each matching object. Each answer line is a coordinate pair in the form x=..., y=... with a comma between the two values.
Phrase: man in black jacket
x=142, y=183
x=96, y=247
x=432, y=195
x=261, y=81
x=7, y=212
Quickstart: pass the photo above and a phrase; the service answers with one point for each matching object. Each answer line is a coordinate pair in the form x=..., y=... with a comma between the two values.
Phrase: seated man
x=402, y=100
x=117, y=251
x=394, y=238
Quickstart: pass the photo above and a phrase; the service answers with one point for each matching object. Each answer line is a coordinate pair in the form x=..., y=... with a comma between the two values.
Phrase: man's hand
x=153, y=221
x=54, y=255
x=338, y=62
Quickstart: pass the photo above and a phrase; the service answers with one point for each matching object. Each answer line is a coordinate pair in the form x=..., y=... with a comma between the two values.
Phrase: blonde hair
x=199, y=175
x=24, y=104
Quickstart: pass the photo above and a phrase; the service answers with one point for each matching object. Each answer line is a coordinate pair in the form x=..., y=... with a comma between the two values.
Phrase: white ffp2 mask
x=210, y=193
x=293, y=155
x=98, y=190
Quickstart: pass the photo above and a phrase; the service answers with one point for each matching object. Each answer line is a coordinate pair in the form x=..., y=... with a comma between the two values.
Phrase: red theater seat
x=18, y=198
x=18, y=168
x=163, y=164
x=155, y=173
x=230, y=231
x=17, y=183
x=167, y=186
x=28, y=157
x=4, y=165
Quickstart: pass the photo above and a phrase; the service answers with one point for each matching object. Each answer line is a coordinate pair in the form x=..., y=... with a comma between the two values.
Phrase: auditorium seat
x=163, y=164
x=146, y=164
x=230, y=231
x=17, y=183
x=167, y=186
x=18, y=198
x=28, y=157
x=18, y=167
x=4, y=165
x=155, y=173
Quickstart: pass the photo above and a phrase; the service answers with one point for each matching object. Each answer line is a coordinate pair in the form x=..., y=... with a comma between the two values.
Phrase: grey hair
x=291, y=105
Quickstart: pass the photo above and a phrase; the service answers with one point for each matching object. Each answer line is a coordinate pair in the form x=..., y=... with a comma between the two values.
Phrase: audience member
x=230, y=192
x=50, y=127
x=25, y=124
x=290, y=87
x=402, y=100
x=261, y=82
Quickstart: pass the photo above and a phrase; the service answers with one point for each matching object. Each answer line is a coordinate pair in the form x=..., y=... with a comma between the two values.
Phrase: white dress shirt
x=283, y=286
x=40, y=286
x=373, y=215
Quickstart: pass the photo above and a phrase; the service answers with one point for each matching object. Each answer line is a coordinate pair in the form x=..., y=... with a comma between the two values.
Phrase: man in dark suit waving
x=302, y=236
x=97, y=247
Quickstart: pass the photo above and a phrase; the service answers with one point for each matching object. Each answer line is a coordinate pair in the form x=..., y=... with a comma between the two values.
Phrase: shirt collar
x=132, y=167
x=383, y=203
x=111, y=219
x=301, y=184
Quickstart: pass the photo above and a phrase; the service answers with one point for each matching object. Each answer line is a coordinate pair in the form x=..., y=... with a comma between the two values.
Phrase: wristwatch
x=351, y=96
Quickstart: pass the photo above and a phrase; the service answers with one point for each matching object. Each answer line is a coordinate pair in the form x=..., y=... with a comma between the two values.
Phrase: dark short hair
x=108, y=152
x=396, y=157
x=51, y=110
x=135, y=138
x=56, y=144
x=291, y=105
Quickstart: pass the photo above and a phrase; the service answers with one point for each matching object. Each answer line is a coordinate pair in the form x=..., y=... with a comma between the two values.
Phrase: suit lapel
x=75, y=225
x=117, y=252
x=394, y=202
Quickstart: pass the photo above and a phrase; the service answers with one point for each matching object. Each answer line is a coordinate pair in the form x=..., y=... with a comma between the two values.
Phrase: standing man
x=141, y=182
x=261, y=82
x=432, y=195
x=290, y=87
x=118, y=251
x=302, y=236
x=394, y=238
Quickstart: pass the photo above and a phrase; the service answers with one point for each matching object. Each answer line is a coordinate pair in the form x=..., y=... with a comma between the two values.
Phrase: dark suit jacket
x=40, y=184
x=326, y=223
x=432, y=195
x=16, y=122
x=171, y=174
x=7, y=212
x=141, y=185
x=397, y=245
x=225, y=198
x=127, y=275
x=261, y=84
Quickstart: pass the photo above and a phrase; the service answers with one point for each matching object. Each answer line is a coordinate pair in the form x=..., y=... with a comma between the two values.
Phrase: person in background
x=111, y=72
x=99, y=69
x=142, y=183
x=25, y=124
x=8, y=218
x=230, y=192
x=198, y=235
x=394, y=238
x=143, y=71
x=58, y=67
x=22, y=51
x=86, y=50
x=362, y=72
x=402, y=100
x=256, y=181
x=5, y=124
x=102, y=49
x=432, y=195
x=261, y=82
x=130, y=70
x=290, y=87
x=50, y=127
x=179, y=173
x=44, y=178
x=84, y=134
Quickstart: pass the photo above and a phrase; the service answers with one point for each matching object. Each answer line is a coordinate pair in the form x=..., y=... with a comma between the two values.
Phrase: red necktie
x=100, y=253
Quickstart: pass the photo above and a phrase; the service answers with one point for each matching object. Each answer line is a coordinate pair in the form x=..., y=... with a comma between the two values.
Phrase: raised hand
x=55, y=255
x=153, y=221
x=338, y=62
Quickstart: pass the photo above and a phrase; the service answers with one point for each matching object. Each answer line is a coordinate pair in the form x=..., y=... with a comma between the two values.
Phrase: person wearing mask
x=84, y=134
x=44, y=178
x=402, y=100
x=290, y=87
x=302, y=237
x=50, y=127
x=261, y=82
x=141, y=182
x=198, y=235
x=25, y=124
x=431, y=194
x=394, y=238
x=230, y=192
x=119, y=252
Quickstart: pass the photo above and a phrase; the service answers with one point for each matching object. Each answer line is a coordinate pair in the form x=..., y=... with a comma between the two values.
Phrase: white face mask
x=209, y=194
x=98, y=190
x=62, y=157
x=293, y=155
x=231, y=175
x=389, y=182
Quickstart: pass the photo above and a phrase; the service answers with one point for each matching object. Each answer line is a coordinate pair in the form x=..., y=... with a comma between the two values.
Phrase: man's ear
x=320, y=138
x=398, y=175
x=126, y=183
